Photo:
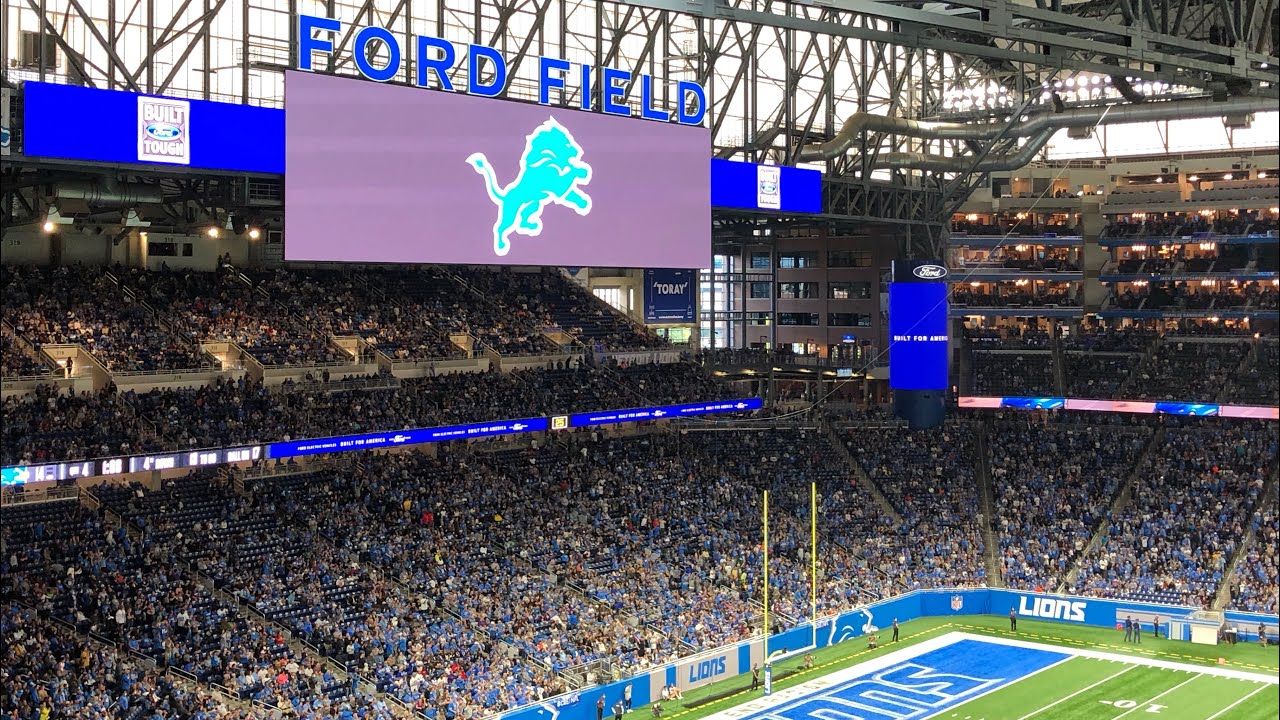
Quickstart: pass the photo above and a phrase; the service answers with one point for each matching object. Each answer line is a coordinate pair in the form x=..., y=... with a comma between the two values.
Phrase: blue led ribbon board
x=663, y=412
x=401, y=438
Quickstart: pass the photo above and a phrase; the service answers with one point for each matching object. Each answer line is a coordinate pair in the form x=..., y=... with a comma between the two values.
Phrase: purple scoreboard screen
x=383, y=173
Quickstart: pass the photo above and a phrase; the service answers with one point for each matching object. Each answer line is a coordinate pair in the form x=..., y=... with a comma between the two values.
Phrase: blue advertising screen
x=918, y=336
x=1177, y=408
x=669, y=295
x=611, y=417
x=1033, y=403
x=80, y=123
x=403, y=438
x=765, y=187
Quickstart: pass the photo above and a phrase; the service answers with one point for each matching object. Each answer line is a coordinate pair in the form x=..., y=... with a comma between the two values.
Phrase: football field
x=975, y=677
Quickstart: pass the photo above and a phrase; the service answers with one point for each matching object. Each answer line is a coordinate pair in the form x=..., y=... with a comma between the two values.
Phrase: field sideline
x=977, y=677
x=1088, y=648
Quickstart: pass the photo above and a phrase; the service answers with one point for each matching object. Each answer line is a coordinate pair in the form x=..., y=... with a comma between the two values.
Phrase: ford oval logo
x=164, y=131
x=930, y=272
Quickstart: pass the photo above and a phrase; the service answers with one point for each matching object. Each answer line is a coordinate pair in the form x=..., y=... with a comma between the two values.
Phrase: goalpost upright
x=766, y=577
x=813, y=559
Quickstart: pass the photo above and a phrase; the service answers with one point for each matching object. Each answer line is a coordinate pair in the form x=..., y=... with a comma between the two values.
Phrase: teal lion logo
x=551, y=171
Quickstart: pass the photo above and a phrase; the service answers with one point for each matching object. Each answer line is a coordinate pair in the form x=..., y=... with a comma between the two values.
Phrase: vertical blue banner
x=918, y=336
x=669, y=295
x=918, y=300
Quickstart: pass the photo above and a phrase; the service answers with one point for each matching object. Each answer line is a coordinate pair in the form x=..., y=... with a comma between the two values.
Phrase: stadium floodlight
x=254, y=233
x=213, y=232
x=53, y=219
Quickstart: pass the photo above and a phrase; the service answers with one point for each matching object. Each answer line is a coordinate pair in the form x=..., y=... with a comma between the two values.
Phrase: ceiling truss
x=778, y=75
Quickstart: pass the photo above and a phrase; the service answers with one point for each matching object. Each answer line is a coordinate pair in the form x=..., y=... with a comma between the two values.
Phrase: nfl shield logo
x=957, y=602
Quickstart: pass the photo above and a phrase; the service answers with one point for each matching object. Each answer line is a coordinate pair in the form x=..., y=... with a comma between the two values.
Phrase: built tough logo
x=551, y=172
x=769, y=187
x=164, y=130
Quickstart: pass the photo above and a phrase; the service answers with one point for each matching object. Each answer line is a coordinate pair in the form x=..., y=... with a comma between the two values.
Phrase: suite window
x=849, y=291
x=760, y=291
x=798, y=290
x=797, y=260
x=848, y=320
x=162, y=249
x=796, y=318
x=759, y=261
x=849, y=259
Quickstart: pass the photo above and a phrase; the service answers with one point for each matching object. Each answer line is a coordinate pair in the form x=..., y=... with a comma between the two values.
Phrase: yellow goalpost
x=813, y=571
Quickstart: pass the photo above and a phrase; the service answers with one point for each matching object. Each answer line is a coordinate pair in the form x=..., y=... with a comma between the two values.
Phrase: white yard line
x=1139, y=706
x=1082, y=690
x=1246, y=697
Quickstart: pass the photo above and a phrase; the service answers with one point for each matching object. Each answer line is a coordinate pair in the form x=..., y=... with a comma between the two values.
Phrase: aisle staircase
x=1246, y=364
x=986, y=500
x=1143, y=361
x=859, y=475
x=1250, y=536
x=1059, y=363
x=1118, y=503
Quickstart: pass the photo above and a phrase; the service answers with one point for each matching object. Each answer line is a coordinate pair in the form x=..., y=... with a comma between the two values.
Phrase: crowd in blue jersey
x=1196, y=494
x=458, y=586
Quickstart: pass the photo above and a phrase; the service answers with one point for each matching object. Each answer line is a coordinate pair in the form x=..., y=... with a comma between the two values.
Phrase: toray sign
x=437, y=56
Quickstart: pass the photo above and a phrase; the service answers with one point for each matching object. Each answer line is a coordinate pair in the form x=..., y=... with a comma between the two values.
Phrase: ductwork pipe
x=1075, y=117
x=962, y=163
x=109, y=194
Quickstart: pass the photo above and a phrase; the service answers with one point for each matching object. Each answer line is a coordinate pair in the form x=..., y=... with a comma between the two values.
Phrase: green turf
x=1249, y=658
x=1088, y=689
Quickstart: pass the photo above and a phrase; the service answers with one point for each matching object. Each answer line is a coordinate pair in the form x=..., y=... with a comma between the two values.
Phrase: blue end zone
x=920, y=687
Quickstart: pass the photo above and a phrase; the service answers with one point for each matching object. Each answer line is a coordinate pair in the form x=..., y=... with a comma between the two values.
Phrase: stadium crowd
x=223, y=306
x=929, y=477
x=51, y=671
x=1008, y=373
x=1051, y=486
x=1176, y=225
x=87, y=306
x=463, y=584
x=1189, y=364
x=52, y=424
x=1257, y=582
x=16, y=362
x=1188, y=509
x=134, y=320
x=456, y=585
